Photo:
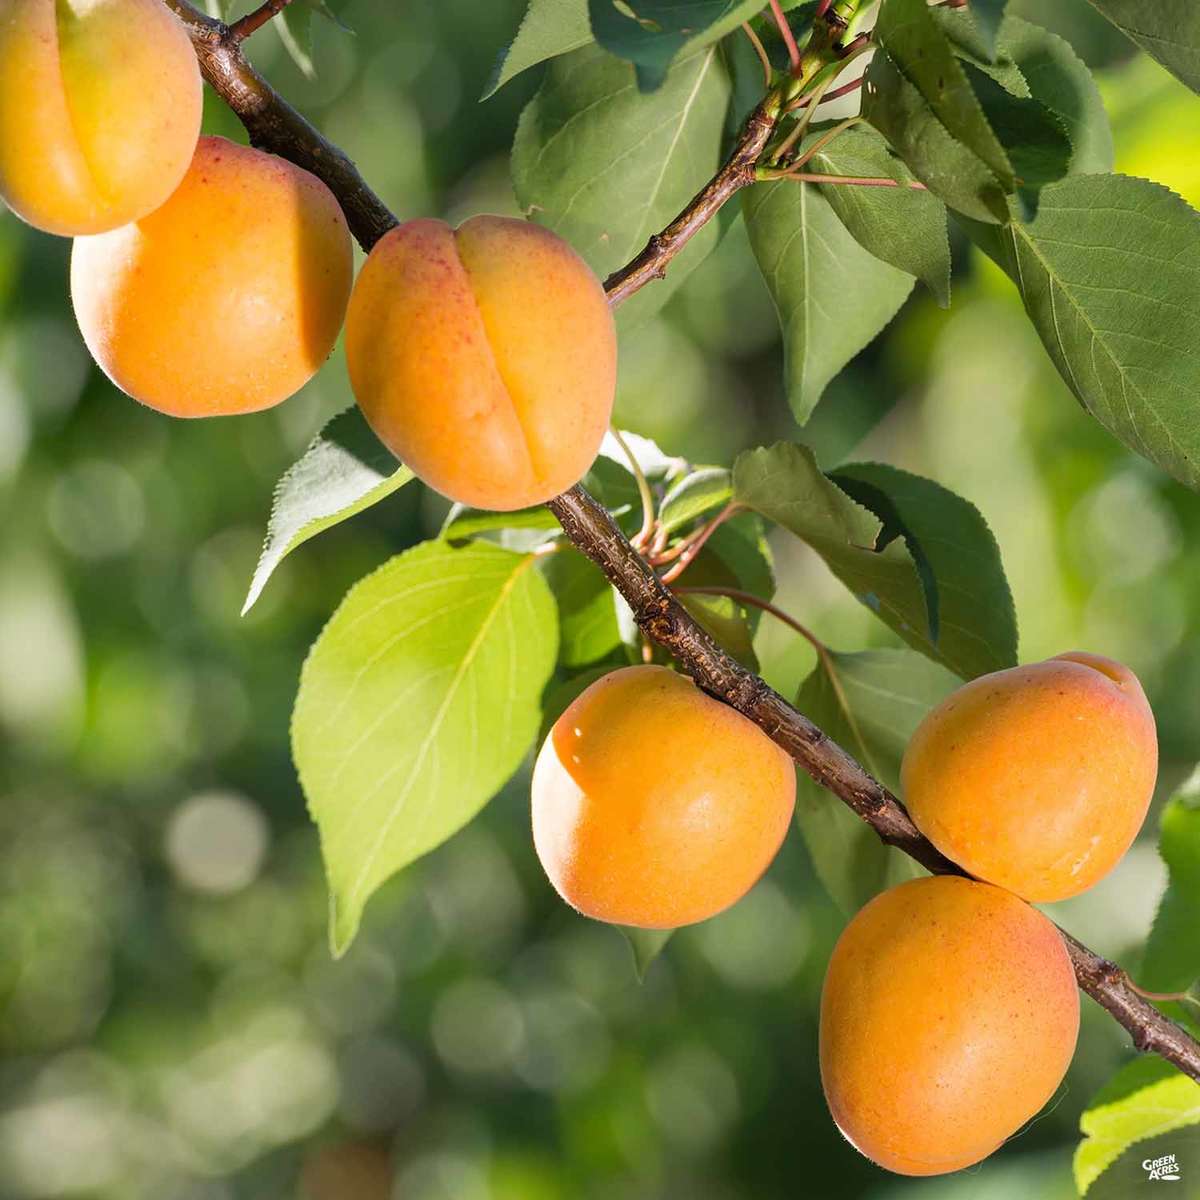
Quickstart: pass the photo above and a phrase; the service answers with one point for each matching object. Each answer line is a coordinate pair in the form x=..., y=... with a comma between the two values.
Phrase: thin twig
x=276, y=126
x=242, y=29
x=644, y=493
x=737, y=173
x=785, y=31
x=761, y=51
x=849, y=180
x=749, y=598
x=696, y=544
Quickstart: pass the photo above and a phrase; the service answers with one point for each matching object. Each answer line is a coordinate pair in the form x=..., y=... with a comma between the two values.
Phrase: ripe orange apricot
x=1036, y=778
x=100, y=106
x=655, y=805
x=948, y=1019
x=484, y=357
x=229, y=297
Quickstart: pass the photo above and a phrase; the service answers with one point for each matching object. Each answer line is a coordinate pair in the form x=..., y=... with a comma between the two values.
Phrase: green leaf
x=949, y=169
x=988, y=14
x=606, y=167
x=416, y=703
x=537, y=524
x=901, y=226
x=785, y=485
x=1035, y=139
x=697, y=494
x=344, y=470
x=914, y=42
x=975, y=43
x=587, y=616
x=874, y=557
x=548, y=29
x=1146, y=1098
x=1168, y=30
x=1109, y=272
x=976, y=621
x=651, y=33
x=870, y=703
x=295, y=31
x=832, y=296
x=646, y=945
x=1060, y=81
x=1172, y=958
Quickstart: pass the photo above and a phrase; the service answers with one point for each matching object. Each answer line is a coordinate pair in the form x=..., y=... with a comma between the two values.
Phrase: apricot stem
x=1158, y=997
x=243, y=28
x=785, y=31
x=847, y=180
x=760, y=50
x=649, y=518
x=696, y=543
x=813, y=150
x=743, y=597
x=659, y=555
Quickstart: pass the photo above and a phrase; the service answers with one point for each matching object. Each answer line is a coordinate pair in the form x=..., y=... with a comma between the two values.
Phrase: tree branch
x=736, y=174
x=240, y=30
x=274, y=125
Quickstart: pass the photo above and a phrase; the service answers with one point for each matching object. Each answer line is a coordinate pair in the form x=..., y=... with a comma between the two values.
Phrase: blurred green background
x=171, y=1024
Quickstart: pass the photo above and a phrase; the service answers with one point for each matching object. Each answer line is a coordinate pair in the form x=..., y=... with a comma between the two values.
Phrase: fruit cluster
x=210, y=278
x=950, y=1012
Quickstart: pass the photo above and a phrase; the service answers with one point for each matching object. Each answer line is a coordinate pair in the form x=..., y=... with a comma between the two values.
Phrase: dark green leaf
x=1168, y=30
x=416, y=703
x=976, y=622
x=832, y=296
x=901, y=226
x=1109, y=272
x=975, y=45
x=344, y=470
x=1059, y=80
x=548, y=29
x=869, y=703
x=785, y=485
x=913, y=40
x=948, y=168
x=651, y=33
x=606, y=167
x=893, y=568
x=1037, y=143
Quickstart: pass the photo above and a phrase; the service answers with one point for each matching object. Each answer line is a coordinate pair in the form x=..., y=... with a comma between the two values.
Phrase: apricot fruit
x=948, y=1018
x=655, y=805
x=100, y=106
x=1036, y=778
x=229, y=297
x=484, y=357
